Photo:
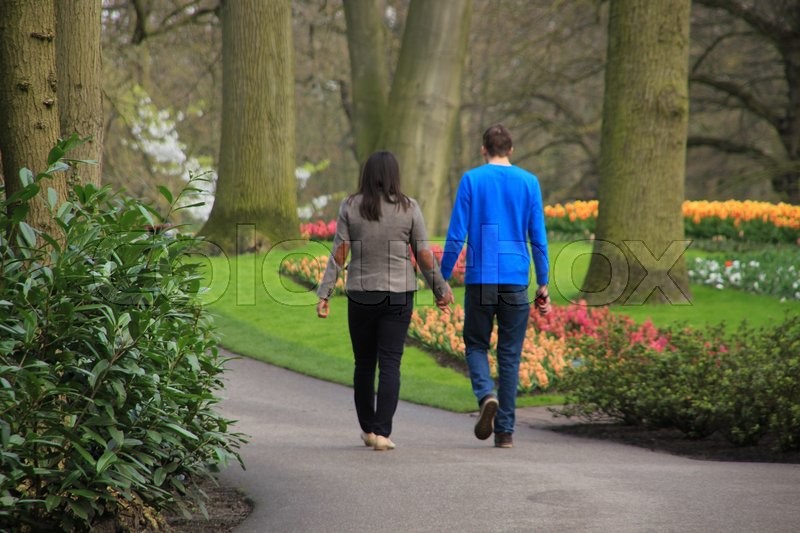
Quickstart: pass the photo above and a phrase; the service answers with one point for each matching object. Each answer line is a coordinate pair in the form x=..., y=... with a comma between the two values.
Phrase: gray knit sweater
x=379, y=250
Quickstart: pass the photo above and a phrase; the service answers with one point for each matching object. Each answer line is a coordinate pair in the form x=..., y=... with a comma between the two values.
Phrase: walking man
x=498, y=212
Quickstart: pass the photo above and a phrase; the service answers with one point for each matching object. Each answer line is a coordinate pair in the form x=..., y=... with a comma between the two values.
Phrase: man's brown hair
x=497, y=141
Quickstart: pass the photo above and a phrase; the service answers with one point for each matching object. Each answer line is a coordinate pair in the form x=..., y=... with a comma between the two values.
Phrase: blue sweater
x=497, y=212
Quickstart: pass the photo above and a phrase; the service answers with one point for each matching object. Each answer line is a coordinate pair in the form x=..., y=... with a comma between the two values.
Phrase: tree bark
x=425, y=99
x=369, y=73
x=28, y=106
x=256, y=186
x=79, y=68
x=637, y=255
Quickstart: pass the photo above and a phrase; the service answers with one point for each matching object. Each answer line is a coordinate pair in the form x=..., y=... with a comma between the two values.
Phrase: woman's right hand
x=322, y=308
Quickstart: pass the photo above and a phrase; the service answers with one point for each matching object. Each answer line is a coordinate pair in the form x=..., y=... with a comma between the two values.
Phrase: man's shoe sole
x=485, y=424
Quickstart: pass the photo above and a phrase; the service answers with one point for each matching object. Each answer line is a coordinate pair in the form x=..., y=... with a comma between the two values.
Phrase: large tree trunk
x=28, y=110
x=369, y=73
x=425, y=98
x=638, y=252
x=78, y=64
x=256, y=185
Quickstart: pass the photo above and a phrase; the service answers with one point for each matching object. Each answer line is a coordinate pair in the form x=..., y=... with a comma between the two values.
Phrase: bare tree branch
x=749, y=100
x=718, y=41
x=730, y=147
x=771, y=29
x=140, y=27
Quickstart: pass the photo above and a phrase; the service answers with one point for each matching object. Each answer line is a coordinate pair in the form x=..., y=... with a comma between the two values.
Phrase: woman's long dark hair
x=380, y=178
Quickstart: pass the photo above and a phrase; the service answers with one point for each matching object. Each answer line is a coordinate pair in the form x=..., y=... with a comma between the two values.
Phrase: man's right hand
x=542, y=300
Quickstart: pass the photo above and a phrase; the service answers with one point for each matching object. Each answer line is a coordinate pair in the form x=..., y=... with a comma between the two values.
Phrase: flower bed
x=732, y=219
x=736, y=220
x=319, y=230
x=773, y=272
x=551, y=343
x=308, y=271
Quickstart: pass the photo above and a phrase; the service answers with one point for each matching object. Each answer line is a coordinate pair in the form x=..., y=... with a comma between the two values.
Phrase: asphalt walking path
x=307, y=471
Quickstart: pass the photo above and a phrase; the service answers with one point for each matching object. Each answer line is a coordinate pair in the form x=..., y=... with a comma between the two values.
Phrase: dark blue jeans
x=510, y=304
x=378, y=324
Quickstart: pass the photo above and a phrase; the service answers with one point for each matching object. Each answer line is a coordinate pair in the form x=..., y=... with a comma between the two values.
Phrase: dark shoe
x=485, y=424
x=503, y=440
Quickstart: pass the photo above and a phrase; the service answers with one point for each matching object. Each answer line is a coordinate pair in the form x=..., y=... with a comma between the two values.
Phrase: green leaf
x=52, y=197
x=56, y=153
x=165, y=193
x=123, y=320
x=159, y=476
x=58, y=166
x=84, y=453
x=7, y=501
x=28, y=234
x=73, y=141
x=98, y=369
x=51, y=241
x=155, y=436
x=26, y=176
x=106, y=460
x=71, y=478
x=79, y=508
x=147, y=215
x=119, y=390
x=51, y=502
x=181, y=431
x=7, y=346
x=5, y=433
x=117, y=435
x=196, y=204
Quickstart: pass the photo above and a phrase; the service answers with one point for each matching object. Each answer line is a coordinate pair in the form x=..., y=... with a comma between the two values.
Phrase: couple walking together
x=498, y=214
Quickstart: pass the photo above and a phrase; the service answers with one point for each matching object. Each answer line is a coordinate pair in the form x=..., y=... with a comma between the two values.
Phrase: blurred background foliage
x=536, y=65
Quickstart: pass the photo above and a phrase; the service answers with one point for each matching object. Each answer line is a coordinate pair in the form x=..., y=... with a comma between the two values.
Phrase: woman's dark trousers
x=378, y=324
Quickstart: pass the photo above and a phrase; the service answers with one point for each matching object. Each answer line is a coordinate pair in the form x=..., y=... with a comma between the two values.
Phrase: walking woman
x=375, y=226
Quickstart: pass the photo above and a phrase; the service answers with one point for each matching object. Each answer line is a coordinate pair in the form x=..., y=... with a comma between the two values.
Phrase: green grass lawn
x=266, y=317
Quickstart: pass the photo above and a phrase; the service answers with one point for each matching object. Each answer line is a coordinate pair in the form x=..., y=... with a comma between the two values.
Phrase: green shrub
x=782, y=347
x=608, y=378
x=639, y=385
x=745, y=387
x=108, y=362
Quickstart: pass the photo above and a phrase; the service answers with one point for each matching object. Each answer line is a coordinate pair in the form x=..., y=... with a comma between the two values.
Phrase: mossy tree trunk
x=79, y=68
x=418, y=120
x=637, y=256
x=369, y=73
x=256, y=187
x=425, y=99
x=29, y=124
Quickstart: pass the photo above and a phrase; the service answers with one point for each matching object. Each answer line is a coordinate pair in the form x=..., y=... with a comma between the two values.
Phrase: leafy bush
x=108, y=362
x=745, y=387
